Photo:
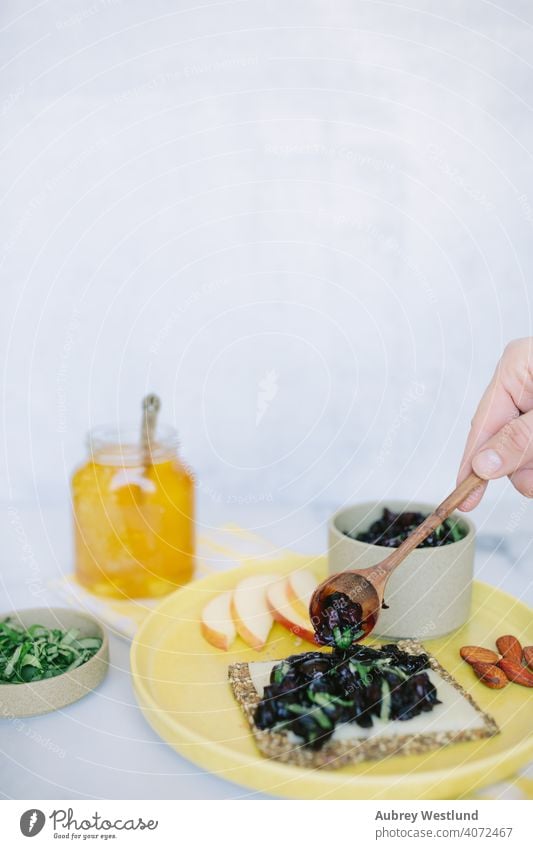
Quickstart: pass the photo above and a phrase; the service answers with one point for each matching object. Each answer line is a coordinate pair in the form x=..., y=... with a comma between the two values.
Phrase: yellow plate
x=181, y=685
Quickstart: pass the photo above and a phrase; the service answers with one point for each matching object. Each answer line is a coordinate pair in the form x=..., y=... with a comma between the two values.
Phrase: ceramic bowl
x=429, y=594
x=37, y=697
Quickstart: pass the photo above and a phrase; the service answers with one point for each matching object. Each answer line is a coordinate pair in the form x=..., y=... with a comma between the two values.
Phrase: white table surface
x=102, y=747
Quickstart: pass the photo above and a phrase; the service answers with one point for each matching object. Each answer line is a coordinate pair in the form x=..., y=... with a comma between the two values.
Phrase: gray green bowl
x=429, y=594
x=17, y=700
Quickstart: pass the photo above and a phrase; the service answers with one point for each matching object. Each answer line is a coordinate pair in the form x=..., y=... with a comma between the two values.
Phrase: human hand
x=500, y=441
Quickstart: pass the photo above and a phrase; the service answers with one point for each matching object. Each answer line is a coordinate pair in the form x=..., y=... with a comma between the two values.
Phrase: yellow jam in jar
x=133, y=516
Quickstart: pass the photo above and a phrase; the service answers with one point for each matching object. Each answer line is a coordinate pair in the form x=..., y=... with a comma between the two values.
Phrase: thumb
x=508, y=450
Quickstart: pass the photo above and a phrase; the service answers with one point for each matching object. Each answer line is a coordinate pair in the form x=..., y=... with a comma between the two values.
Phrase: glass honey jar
x=133, y=515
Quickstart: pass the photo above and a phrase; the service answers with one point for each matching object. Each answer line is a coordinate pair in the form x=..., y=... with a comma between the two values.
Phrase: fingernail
x=487, y=462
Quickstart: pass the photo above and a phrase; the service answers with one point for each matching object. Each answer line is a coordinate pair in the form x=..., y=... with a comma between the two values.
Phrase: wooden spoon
x=361, y=590
x=151, y=405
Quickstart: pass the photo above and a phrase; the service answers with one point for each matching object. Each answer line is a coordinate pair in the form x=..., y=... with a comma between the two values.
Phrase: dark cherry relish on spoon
x=339, y=622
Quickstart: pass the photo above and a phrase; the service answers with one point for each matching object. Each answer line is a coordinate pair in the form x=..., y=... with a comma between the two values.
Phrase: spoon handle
x=432, y=521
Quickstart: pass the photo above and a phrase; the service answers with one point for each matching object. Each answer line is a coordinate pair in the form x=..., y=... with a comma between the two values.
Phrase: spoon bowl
x=347, y=591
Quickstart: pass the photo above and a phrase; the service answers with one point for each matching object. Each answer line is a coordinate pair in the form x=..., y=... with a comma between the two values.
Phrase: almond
x=491, y=675
x=515, y=672
x=477, y=654
x=527, y=654
x=508, y=646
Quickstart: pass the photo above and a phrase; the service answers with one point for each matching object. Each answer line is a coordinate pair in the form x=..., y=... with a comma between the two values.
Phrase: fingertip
x=473, y=499
x=488, y=464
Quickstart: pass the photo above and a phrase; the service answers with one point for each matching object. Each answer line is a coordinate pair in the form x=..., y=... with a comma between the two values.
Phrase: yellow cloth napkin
x=227, y=548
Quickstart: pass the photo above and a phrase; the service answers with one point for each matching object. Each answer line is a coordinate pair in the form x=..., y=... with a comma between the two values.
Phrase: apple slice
x=300, y=587
x=217, y=622
x=285, y=613
x=250, y=610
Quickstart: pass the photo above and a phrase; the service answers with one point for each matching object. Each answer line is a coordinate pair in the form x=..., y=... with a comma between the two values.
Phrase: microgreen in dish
x=36, y=652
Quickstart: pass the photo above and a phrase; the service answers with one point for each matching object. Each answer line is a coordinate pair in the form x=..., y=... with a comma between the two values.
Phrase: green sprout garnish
x=35, y=653
x=345, y=638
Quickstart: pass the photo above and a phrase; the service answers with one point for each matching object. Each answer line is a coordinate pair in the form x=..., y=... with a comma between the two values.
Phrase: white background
x=198, y=195
x=306, y=225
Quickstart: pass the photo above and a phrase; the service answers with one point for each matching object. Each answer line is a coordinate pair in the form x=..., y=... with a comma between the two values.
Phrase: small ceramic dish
x=429, y=594
x=37, y=697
